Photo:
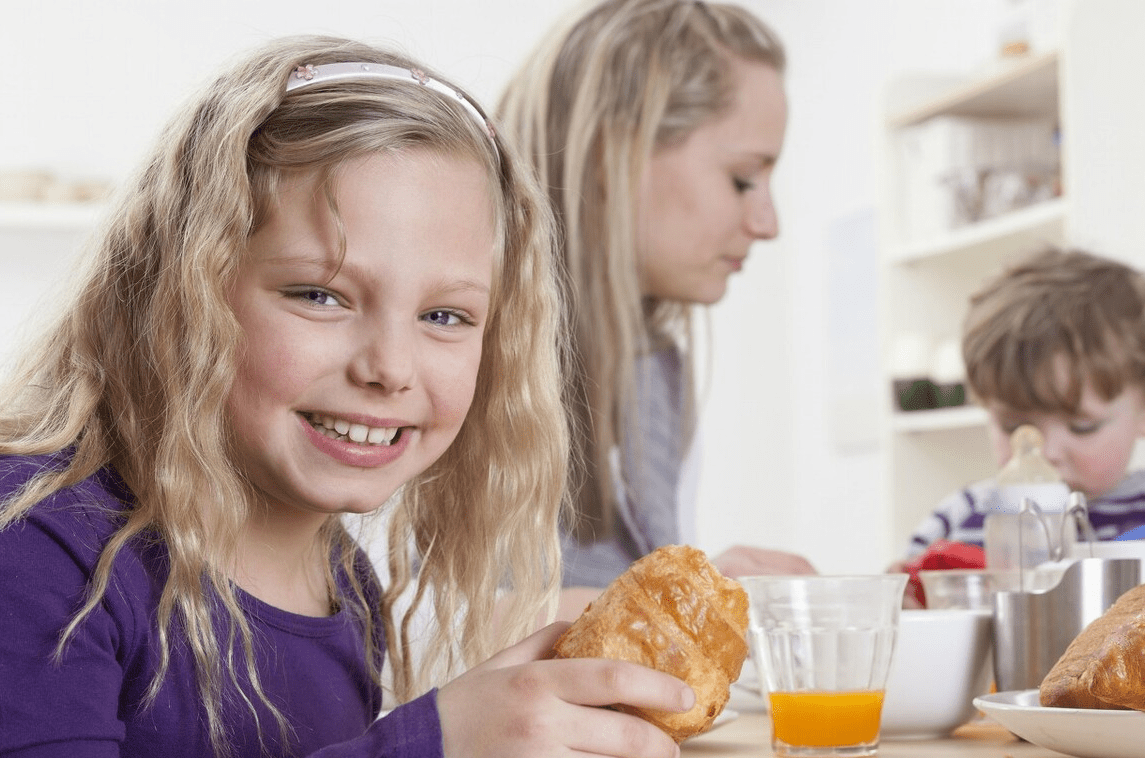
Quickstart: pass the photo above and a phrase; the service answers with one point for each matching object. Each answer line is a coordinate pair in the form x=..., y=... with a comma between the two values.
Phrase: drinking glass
x=823, y=645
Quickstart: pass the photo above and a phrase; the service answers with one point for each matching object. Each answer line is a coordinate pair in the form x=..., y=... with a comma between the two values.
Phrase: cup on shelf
x=910, y=373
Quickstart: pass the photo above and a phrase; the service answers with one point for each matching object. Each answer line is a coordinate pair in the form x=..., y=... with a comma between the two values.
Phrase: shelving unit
x=925, y=284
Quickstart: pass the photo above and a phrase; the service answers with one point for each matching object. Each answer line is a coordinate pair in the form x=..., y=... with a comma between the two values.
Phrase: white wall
x=86, y=87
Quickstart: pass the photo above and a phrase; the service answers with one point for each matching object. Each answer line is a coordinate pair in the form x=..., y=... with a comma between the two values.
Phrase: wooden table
x=750, y=735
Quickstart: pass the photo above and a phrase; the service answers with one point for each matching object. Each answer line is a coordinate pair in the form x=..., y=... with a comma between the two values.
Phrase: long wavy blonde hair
x=605, y=90
x=136, y=374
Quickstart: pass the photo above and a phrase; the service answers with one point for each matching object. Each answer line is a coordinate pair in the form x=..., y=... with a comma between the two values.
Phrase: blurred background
x=805, y=447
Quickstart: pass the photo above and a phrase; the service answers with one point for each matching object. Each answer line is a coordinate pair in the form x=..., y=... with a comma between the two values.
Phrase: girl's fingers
x=535, y=647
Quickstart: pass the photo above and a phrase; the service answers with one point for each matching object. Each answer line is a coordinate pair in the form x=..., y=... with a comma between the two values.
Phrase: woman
x=655, y=126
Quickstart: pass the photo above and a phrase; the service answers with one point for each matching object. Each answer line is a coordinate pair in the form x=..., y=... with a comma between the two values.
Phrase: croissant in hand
x=673, y=611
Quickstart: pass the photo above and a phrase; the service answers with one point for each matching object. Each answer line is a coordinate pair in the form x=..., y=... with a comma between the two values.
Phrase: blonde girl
x=328, y=290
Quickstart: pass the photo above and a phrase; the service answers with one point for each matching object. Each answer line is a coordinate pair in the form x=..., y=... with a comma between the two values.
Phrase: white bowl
x=941, y=662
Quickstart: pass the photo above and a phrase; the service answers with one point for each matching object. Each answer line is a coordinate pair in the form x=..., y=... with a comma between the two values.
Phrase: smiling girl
x=329, y=290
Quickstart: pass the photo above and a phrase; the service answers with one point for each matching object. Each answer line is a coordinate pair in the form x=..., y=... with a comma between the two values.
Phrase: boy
x=1057, y=341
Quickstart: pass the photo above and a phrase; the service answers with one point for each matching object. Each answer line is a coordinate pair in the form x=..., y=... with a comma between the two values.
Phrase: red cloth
x=942, y=554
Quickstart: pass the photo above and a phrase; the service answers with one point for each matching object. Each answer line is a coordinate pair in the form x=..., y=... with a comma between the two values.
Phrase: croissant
x=1104, y=666
x=671, y=610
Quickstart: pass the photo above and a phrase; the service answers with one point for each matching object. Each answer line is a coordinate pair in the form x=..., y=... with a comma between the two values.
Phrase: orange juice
x=826, y=719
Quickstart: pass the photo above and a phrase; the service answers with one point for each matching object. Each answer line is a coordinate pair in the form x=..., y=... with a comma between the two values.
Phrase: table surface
x=749, y=734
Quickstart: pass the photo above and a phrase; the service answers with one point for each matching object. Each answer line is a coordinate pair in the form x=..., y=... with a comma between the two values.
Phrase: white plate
x=1079, y=732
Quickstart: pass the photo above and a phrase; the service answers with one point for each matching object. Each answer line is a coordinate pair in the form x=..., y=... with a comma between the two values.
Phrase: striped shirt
x=960, y=516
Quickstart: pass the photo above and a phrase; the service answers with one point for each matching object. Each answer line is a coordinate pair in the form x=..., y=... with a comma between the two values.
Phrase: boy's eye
x=1083, y=428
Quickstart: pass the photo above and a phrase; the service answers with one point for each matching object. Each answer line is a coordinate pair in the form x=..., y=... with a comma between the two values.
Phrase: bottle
x=1018, y=536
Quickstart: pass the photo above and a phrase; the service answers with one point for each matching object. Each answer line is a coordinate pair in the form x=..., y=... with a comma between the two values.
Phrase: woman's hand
x=742, y=560
x=517, y=704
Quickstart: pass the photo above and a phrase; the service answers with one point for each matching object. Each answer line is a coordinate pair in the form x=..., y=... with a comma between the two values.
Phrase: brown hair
x=1058, y=307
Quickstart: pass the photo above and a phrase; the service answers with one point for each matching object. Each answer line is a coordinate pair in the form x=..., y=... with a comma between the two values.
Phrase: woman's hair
x=137, y=372
x=1056, y=310
x=602, y=93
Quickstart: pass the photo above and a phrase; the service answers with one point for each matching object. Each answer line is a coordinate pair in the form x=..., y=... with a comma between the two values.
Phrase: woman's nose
x=384, y=359
x=761, y=220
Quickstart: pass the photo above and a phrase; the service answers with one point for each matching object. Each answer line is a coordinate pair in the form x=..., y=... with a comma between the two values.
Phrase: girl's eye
x=1082, y=428
x=447, y=318
x=742, y=185
x=315, y=296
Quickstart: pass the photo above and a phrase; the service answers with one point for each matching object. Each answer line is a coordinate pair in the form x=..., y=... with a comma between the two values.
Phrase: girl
x=655, y=126
x=329, y=289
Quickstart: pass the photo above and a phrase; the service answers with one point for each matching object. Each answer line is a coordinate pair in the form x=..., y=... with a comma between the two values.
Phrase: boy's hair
x=137, y=372
x=1057, y=311
x=600, y=95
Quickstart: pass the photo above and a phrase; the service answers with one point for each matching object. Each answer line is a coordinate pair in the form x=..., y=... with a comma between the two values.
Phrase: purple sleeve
x=47, y=709
x=412, y=730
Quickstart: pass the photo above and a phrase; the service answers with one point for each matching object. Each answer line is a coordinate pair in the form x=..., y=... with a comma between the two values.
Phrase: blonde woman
x=655, y=126
x=278, y=328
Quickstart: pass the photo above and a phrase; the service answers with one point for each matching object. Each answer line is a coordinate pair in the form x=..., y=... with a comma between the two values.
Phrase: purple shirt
x=89, y=704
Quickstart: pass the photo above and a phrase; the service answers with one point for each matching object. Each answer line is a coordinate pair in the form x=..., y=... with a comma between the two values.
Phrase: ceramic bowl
x=941, y=662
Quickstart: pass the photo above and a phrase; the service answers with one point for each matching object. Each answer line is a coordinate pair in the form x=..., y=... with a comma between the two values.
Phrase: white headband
x=334, y=72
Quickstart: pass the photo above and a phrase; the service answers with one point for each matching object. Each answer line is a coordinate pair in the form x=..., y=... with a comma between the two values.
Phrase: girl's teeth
x=357, y=433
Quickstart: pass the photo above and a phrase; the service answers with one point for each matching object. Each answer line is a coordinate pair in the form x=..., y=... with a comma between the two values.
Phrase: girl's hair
x=1056, y=310
x=601, y=94
x=137, y=372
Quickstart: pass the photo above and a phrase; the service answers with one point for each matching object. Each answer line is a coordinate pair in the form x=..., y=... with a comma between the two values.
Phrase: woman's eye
x=742, y=185
x=447, y=318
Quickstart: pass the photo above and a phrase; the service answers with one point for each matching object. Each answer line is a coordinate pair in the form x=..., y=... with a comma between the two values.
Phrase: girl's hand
x=518, y=705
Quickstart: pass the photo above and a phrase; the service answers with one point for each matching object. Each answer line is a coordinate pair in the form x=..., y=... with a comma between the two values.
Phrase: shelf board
x=1024, y=86
x=49, y=216
x=962, y=417
x=1040, y=224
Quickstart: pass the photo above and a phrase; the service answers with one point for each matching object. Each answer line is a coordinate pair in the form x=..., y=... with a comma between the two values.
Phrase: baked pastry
x=1104, y=666
x=671, y=610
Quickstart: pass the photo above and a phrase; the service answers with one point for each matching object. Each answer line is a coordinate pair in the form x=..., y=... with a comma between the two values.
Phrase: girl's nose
x=384, y=360
x=761, y=220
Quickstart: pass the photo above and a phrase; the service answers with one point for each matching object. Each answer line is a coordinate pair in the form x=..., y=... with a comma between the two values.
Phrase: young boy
x=1057, y=341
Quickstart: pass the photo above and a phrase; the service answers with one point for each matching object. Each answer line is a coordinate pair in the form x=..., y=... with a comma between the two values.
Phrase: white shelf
x=962, y=417
x=1036, y=225
x=1015, y=87
x=49, y=216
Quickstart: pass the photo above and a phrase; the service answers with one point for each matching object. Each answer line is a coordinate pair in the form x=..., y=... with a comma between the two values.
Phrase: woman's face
x=703, y=201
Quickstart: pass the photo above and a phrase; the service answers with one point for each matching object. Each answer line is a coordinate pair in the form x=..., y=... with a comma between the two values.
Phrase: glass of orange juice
x=823, y=646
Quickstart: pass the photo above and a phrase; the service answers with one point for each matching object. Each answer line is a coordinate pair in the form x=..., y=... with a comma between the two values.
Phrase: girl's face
x=705, y=200
x=1090, y=450
x=356, y=377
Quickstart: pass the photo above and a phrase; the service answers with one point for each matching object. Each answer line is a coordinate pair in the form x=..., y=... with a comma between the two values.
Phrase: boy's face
x=354, y=378
x=1091, y=449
